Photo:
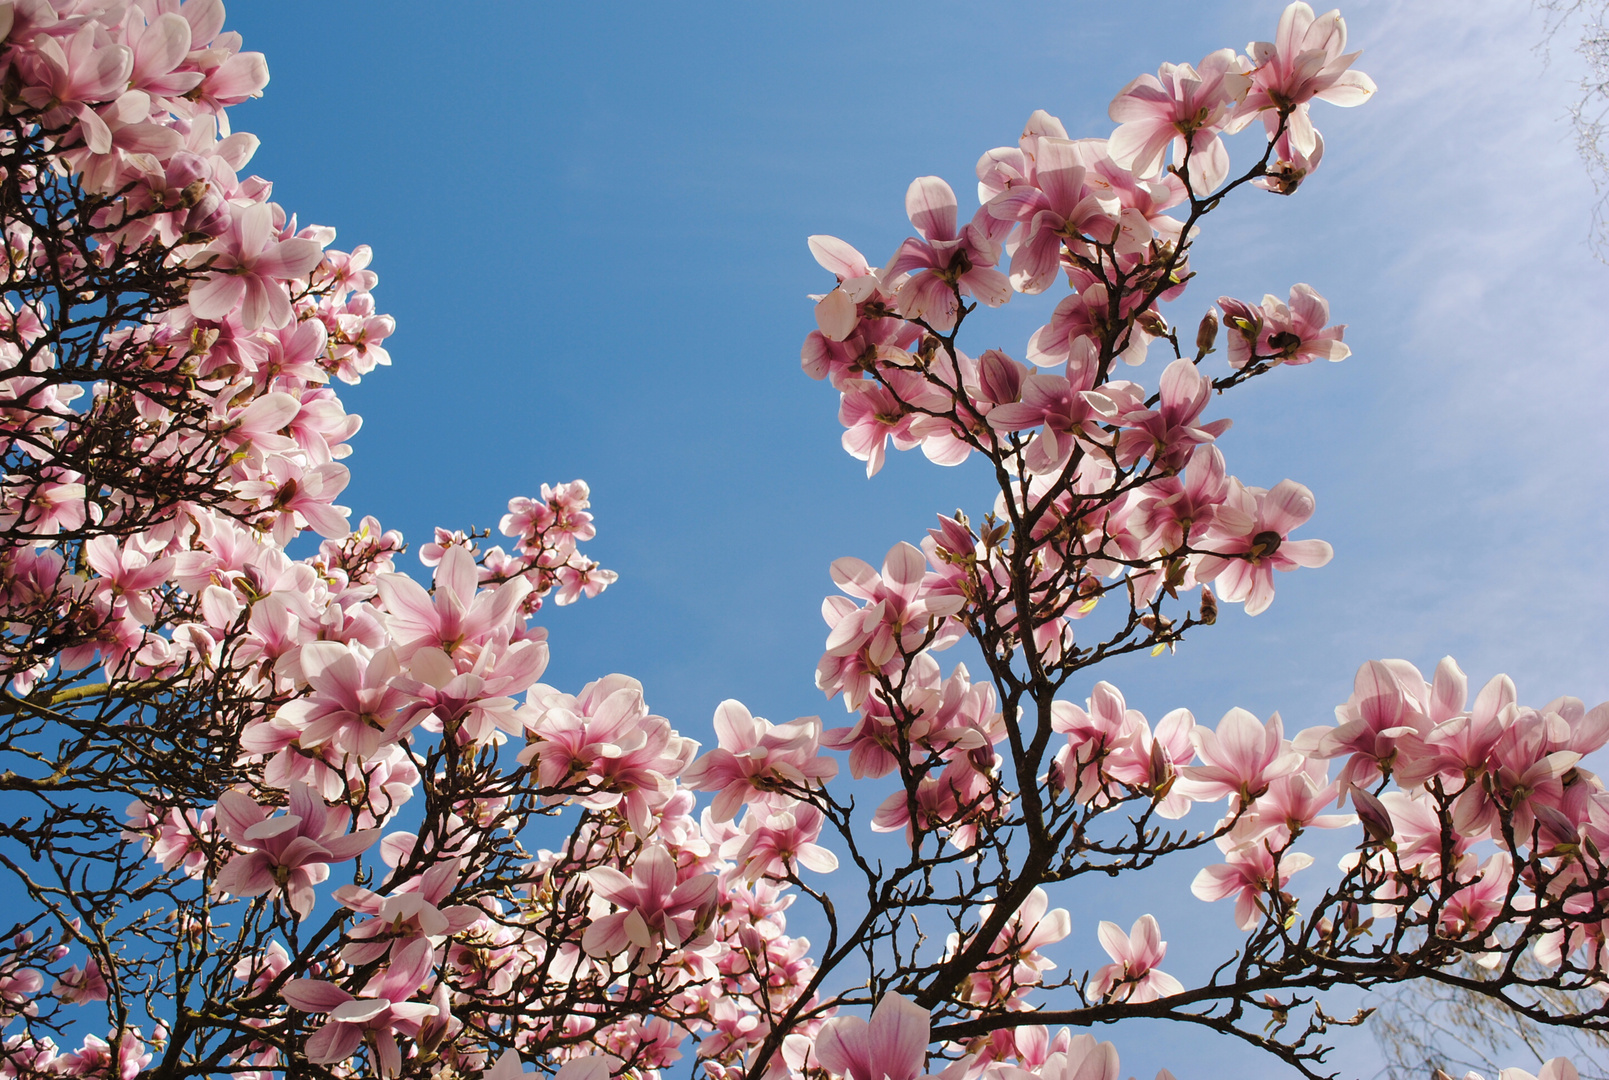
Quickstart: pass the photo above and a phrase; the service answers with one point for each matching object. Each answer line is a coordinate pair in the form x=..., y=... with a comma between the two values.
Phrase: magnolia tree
x=267, y=814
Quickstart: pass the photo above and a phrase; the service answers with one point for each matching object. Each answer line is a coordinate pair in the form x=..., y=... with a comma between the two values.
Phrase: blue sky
x=589, y=223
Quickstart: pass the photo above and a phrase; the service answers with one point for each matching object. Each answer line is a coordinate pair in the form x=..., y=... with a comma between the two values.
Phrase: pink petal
x=1114, y=941
x=313, y=995
x=837, y=257
x=216, y=296
x=931, y=205
x=333, y=1042
x=899, y=1036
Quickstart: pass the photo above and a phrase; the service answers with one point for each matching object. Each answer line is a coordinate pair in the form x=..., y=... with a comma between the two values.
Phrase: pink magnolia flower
x=1092, y=733
x=160, y=46
x=1077, y=324
x=1307, y=59
x=44, y=507
x=95, y=1058
x=296, y=494
x=604, y=749
x=174, y=838
x=125, y=575
x=1152, y=761
x=1380, y=718
x=1058, y=206
x=1064, y=410
x=472, y=699
x=460, y=616
x=1007, y=167
x=1295, y=801
x=777, y=844
x=354, y=705
x=1171, y=511
x=893, y=1046
x=78, y=986
x=1133, y=974
x=71, y=72
x=758, y=762
x=903, y=605
x=1015, y=963
x=1170, y=433
x=287, y=853
x=1472, y=909
x=1555, y=1069
x=412, y=910
x=1082, y=1058
x=359, y=331
x=1241, y=758
x=946, y=260
x=1291, y=166
x=1186, y=107
x=954, y=801
x=1526, y=768
x=247, y=269
x=374, y=1017
x=1252, y=872
x=656, y=910
x=1255, y=527
x=1293, y=333
x=873, y=414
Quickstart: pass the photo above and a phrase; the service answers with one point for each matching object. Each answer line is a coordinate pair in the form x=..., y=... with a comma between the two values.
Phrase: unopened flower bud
x=1375, y=817
x=1209, y=606
x=1152, y=323
x=1555, y=826
x=1000, y=377
x=1207, y=332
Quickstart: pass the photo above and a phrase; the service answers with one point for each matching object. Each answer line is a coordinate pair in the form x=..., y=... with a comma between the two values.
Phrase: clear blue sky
x=589, y=223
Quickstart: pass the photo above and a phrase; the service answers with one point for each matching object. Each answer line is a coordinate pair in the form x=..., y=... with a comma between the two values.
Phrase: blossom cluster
x=403, y=854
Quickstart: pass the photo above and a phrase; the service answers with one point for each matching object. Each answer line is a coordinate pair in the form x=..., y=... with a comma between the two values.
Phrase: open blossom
x=873, y=415
x=1241, y=757
x=1171, y=432
x=1015, y=962
x=603, y=748
x=655, y=909
x=1058, y=206
x=1133, y=974
x=777, y=844
x=354, y=705
x=904, y=604
x=946, y=260
x=1253, y=874
x=1381, y=717
x=411, y=911
x=1293, y=333
x=288, y=853
x=375, y=1016
x=837, y=313
x=1554, y=1069
x=1307, y=59
x=1063, y=408
x=1183, y=106
x=1254, y=528
x=459, y=617
x=76, y=986
x=247, y=269
x=758, y=762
